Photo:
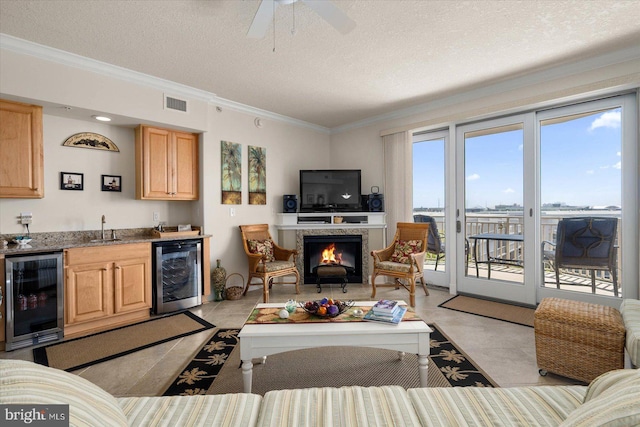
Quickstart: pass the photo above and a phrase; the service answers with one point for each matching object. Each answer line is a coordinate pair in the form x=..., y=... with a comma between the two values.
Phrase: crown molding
x=47, y=53
x=536, y=77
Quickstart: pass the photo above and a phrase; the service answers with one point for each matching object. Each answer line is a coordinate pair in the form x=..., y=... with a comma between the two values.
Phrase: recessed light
x=102, y=118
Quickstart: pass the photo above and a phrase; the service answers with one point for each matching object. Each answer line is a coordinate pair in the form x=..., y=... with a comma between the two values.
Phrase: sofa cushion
x=23, y=382
x=630, y=310
x=344, y=406
x=518, y=406
x=613, y=399
x=263, y=247
x=611, y=381
x=239, y=410
x=404, y=249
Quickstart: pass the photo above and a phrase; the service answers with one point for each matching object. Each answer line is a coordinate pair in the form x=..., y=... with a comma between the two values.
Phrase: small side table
x=331, y=274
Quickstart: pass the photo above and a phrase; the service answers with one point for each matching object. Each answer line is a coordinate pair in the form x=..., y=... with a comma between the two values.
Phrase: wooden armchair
x=266, y=259
x=403, y=259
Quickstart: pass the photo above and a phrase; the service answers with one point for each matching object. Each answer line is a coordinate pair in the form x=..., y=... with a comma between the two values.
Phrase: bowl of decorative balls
x=326, y=307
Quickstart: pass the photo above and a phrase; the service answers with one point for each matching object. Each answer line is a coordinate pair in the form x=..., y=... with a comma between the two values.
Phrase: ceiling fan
x=325, y=8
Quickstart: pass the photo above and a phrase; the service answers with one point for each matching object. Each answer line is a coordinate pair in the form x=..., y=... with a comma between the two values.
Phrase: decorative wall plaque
x=91, y=140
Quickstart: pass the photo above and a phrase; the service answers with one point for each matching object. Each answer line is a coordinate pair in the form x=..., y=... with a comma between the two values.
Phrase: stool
x=331, y=274
x=578, y=340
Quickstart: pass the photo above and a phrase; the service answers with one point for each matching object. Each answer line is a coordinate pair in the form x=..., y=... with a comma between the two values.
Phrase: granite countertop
x=58, y=241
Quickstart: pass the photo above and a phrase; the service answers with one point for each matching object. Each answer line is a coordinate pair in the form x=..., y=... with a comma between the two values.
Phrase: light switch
x=232, y=211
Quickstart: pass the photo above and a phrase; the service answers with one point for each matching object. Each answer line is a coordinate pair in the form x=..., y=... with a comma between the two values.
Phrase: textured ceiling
x=401, y=53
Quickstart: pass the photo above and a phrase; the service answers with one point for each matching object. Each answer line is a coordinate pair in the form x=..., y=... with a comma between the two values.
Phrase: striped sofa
x=611, y=399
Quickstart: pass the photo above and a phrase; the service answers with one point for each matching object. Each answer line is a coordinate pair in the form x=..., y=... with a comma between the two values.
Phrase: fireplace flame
x=329, y=255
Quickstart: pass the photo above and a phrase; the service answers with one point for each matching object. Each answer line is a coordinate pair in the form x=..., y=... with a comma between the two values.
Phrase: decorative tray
x=326, y=307
x=173, y=232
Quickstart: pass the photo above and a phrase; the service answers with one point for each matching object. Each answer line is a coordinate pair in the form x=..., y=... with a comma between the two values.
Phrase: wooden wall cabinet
x=166, y=164
x=106, y=286
x=22, y=161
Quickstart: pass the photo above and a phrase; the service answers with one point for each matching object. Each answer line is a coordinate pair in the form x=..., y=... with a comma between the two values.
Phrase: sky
x=579, y=159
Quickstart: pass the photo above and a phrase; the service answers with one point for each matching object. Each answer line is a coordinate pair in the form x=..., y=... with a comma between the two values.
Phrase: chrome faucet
x=104, y=220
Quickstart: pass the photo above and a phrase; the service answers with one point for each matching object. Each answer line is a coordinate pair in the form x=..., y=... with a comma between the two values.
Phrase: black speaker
x=364, y=202
x=290, y=203
x=376, y=202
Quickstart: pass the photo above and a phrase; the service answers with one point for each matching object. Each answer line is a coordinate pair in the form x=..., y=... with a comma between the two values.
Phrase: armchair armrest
x=417, y=260
x=254, y=260
x=383, y=254
x=282, y=254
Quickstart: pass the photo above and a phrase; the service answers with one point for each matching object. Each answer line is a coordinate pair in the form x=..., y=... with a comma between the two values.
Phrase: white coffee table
x=262, y=340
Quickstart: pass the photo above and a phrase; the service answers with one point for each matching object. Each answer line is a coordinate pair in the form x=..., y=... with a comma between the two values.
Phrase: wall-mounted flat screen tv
x=330, y=190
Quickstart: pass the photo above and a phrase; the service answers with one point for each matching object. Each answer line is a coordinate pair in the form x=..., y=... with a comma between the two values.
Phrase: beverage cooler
x=177, y=277
x=34, y=298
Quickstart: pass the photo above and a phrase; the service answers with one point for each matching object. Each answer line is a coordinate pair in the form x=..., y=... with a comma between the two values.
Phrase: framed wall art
x=231, y=167
x=90, y=140
x=257, y=175
x=71, y=181
x=112, y=183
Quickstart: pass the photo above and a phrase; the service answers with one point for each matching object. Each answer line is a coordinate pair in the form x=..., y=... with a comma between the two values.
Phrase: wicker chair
x=403, y=264
x=266, y=259
x=434, y=242
x=584, y=243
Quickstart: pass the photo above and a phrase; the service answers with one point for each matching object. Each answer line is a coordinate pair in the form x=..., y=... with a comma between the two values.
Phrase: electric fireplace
x=342, y=250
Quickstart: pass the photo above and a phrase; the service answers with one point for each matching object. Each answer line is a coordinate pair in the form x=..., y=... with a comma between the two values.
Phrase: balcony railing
x=512, y=223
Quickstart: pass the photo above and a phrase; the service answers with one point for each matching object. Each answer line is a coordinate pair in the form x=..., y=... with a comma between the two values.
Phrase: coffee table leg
x=423, y=364
x=247, y=375
x=401, y=355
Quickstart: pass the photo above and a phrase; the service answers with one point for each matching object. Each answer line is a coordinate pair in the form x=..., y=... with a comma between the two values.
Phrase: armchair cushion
x=263, y=247
x=404, y=249
x=274, y=266
x=393, y=266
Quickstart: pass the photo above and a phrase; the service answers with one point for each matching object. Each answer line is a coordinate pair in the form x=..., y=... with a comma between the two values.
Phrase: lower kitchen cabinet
x=106, y=286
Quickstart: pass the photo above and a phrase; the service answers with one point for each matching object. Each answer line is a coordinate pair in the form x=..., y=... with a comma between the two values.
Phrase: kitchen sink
x=104, y=240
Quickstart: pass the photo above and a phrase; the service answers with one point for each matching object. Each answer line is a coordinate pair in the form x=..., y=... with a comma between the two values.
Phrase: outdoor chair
x=266, y=259
x=403, y=260
x=586, y=243
x=434, y=242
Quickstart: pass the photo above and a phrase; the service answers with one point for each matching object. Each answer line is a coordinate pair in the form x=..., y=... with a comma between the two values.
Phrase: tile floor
x=505, y=351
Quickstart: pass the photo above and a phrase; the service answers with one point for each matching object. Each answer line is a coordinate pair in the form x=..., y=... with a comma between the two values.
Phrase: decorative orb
x=358, y=313
x=284, y=314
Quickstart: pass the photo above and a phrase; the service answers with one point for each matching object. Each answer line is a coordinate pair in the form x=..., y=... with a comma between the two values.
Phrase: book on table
x=393, y=319
x=384, y=306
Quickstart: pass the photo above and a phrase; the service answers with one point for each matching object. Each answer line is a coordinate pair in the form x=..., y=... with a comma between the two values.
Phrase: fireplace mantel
x=330, y=220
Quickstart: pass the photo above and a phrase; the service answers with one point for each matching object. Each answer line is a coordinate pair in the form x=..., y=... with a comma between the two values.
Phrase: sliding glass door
x=492, y=200
x=585, y=199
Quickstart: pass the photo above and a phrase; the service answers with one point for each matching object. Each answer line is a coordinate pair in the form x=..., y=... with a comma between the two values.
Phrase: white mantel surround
x=292, y=227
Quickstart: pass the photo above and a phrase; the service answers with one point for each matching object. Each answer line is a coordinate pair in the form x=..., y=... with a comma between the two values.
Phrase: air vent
x=171, y=103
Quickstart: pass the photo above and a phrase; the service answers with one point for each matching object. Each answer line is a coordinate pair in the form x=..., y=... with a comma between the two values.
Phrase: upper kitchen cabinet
x=166, y=164
x=21, y=162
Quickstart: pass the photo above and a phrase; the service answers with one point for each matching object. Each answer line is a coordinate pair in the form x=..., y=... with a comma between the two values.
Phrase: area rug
x=491, y=309
x=216, y=368
x=86, y=351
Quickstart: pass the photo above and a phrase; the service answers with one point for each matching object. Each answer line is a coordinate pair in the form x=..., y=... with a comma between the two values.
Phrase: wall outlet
x=156, y=216
x=26, y=218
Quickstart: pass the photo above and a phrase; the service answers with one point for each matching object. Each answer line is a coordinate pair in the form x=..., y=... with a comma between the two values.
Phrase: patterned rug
x=216, y=368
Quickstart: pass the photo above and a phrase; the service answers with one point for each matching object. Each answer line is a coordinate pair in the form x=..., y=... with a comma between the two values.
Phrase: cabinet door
x=132, y=290
x=21, y=162
x=185, y=162
x=87, y=292
x=154, y=148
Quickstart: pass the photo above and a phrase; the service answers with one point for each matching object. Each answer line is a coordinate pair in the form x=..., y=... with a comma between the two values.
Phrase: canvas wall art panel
x=231, y=167
x=257, y=175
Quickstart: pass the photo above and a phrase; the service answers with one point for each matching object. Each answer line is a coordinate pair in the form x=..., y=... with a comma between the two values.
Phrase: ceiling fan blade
x=262, y=20
x=334, y=16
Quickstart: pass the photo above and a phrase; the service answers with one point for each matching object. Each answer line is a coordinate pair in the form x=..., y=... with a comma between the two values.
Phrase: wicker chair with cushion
x=403, y=259
x=266, y=259
x=585, y=243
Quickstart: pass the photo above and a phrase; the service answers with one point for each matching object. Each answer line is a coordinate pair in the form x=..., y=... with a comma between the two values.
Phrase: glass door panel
x=581, y=199
x=492, y=200
x=429, y=197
